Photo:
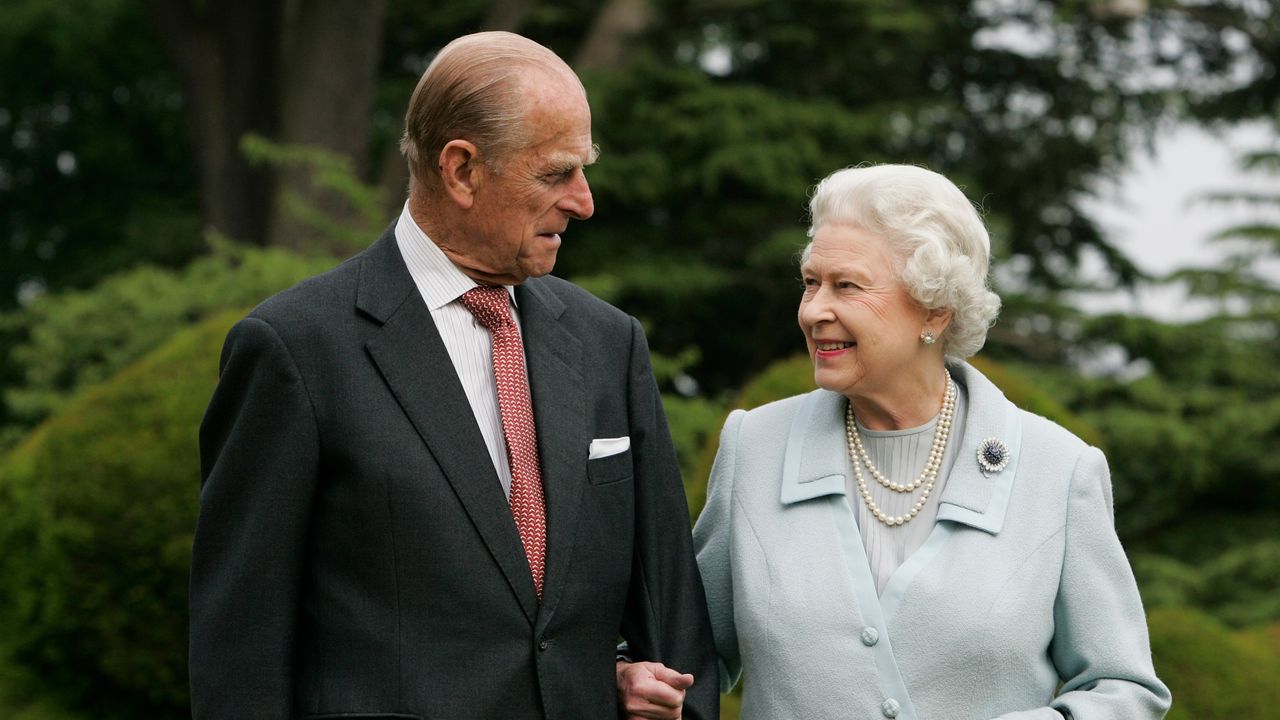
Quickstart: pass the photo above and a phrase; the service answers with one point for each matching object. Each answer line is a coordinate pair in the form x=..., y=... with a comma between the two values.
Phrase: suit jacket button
x=870, y=636
x=889, y=708
x=543, y=645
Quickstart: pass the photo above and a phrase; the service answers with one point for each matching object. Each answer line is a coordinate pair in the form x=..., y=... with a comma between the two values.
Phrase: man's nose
x=577, y=203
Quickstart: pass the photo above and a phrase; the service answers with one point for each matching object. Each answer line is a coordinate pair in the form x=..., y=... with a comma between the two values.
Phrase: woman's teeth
x=834, y=346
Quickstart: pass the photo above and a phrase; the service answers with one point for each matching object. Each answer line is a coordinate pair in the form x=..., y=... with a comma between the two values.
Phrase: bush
x=98, y=509
x=1215, y=673
x=1237, y=587
x=65, y=342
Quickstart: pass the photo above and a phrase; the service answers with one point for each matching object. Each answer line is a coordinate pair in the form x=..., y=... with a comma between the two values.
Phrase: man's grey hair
x=939, y=241
x=471, y=91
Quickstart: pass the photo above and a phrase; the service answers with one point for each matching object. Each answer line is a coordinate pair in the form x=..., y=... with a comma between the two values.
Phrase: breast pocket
x=610, y=469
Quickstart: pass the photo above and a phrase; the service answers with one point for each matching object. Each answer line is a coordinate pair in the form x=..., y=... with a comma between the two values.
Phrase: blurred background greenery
x=166, y=164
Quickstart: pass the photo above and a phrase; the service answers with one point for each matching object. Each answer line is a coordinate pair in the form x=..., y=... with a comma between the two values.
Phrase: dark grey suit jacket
x=355, y=556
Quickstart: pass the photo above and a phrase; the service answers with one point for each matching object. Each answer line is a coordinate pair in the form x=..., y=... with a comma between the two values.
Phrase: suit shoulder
x=316, y=296
x=581, y=300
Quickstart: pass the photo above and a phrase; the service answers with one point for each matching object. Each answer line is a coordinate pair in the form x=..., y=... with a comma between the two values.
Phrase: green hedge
x=98, y=508
x=65, y=342
x=1216, y=673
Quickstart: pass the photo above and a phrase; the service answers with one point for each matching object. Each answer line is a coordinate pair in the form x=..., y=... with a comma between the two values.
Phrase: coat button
x=870, y=636
x=543, y=645
x=889, y=708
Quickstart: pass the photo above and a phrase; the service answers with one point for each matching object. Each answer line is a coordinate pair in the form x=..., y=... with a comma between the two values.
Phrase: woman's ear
x=460, y=172
x=937, y=320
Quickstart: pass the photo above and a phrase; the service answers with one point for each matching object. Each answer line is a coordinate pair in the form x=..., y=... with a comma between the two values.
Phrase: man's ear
x=460, y=172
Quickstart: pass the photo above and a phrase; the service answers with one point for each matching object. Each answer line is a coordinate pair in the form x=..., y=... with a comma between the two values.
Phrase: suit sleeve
x=259, y=454
x=711, y=543
x=666, y=614
x=1100, y=644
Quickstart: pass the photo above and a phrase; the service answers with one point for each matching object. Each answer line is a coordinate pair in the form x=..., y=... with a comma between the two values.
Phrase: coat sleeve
x=711, y=542
x=259, y=454
x=1100, y=645
x=666, y=614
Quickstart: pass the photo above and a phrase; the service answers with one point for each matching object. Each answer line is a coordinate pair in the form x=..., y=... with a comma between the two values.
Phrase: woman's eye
x=846, y=285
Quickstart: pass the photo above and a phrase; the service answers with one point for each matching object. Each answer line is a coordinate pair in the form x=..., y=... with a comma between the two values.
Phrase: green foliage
x=694, y=422
x=94, y=172
x=782, y=379
x=1215, y=673
x=335, y=177
x=1238, y=587
x=98, y=507
x=21, y=699
x=701, y=190
x=65, y=342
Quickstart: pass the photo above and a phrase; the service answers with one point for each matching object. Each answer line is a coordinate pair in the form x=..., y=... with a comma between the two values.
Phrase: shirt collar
x=439, y=281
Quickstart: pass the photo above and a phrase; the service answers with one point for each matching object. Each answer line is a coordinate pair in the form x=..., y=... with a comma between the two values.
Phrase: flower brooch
x=993, y=456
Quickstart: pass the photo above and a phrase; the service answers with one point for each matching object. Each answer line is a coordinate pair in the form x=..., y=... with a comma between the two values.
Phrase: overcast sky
x=1150, y=213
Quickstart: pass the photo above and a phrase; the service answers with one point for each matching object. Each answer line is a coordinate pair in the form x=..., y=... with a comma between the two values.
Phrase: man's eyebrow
x=566, y=162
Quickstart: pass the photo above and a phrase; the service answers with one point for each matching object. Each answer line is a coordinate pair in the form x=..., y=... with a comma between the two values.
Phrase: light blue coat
x=1021, y=586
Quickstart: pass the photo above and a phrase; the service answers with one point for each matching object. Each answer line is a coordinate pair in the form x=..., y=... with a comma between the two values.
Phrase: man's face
x=512, y=231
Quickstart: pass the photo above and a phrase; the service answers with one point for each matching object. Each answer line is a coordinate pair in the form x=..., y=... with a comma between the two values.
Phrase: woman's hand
x=651, y=690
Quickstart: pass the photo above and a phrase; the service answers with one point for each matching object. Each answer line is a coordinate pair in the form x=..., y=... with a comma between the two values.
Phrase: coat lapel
x=816, y=461
x=557, y=387
x=970, y=497
x=416, y=366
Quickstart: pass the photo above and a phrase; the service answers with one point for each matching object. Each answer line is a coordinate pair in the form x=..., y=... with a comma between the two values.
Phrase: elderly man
x=437, y=484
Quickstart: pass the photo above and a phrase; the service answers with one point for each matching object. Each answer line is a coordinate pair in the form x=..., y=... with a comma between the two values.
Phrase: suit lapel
x=416, y=366
x=557, y=387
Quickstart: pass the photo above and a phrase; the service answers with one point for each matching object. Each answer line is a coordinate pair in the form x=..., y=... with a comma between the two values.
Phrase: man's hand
x=651, y=690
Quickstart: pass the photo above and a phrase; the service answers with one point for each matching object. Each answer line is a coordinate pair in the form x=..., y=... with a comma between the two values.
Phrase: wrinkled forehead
x=838, y=245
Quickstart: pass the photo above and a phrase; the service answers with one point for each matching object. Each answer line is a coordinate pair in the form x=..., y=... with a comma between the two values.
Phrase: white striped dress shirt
x=469, y=343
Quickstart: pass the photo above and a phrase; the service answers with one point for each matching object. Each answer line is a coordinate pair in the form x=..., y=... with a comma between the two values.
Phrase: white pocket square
x=604, y=447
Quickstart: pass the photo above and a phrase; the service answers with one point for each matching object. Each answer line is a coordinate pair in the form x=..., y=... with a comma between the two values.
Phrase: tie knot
x=490, y=304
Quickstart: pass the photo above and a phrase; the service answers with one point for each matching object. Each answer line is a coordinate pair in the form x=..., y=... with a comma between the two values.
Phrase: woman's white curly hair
x=938, y=238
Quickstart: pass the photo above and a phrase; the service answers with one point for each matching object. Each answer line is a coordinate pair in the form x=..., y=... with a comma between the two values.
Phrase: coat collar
x=817, y=457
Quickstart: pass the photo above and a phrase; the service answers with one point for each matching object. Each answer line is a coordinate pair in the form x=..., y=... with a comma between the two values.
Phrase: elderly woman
x=904, y=542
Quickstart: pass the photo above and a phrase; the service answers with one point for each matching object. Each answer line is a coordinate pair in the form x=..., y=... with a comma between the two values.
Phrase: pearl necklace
x=858, y=454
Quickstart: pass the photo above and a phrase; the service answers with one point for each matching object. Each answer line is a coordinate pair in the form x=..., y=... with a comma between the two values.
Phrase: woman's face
x=861, y=326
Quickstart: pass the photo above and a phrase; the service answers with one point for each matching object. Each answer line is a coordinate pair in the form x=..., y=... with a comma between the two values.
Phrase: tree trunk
x=615, y=24
x=226, y=55
x=298, y=72
x=506, y=15
x=330, y=72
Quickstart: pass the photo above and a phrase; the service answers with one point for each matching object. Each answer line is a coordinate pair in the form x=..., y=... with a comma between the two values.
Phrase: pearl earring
x=927, y=337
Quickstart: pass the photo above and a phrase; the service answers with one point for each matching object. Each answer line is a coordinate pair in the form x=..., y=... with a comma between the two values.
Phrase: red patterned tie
x=490, y=305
